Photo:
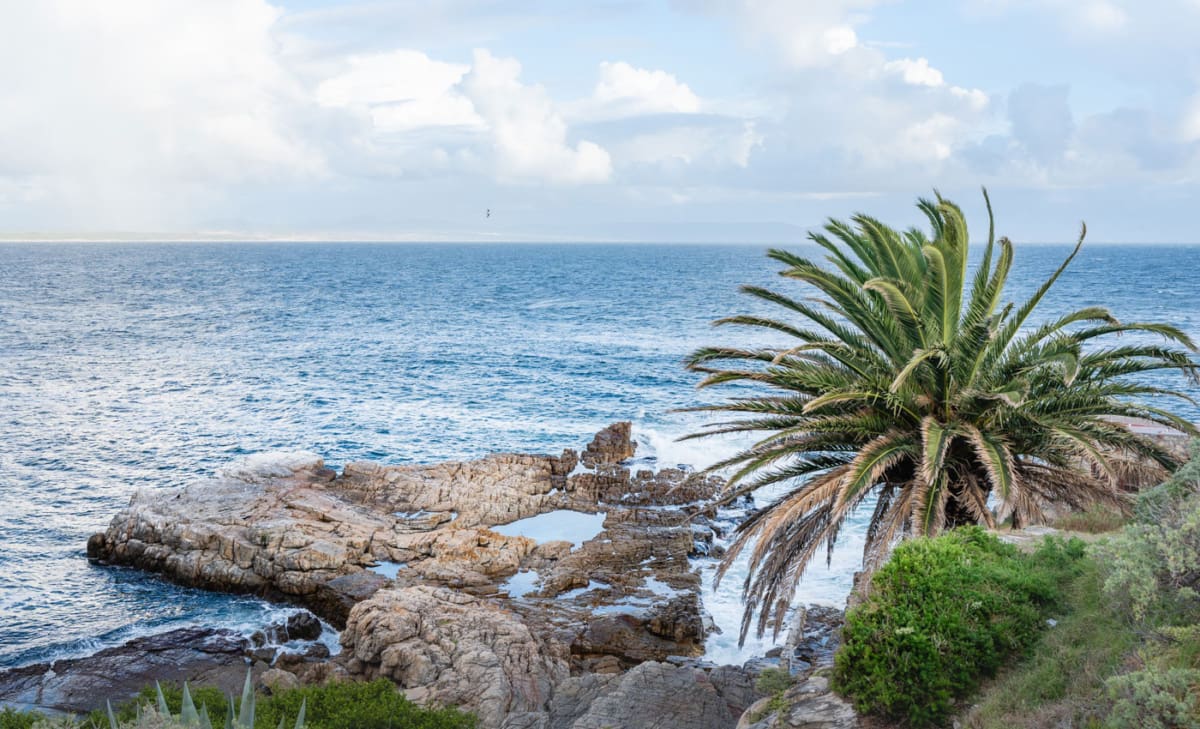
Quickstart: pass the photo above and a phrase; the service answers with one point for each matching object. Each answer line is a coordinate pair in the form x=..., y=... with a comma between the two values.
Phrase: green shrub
x=1127, y=651
x=942, y=614
x=12, y=719
x=375, y=705
x=1155, y=503
x=1060, y=683
x=773, y=681
x=1155, y=699
x=1095, y=519
x=1153, y=567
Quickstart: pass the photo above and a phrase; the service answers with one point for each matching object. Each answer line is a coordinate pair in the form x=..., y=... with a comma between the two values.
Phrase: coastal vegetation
x=910, y=389
x=1104, y=634
x=374, y=705
x=1126, y=651
x=943, y=614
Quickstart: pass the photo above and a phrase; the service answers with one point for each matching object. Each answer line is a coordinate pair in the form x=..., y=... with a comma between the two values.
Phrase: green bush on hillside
x=12, y=719
x=1155, y=699
x=1156, y=503
x=1061, y=682
x=942, y=614
x=1152, y=580
x=375, y=705
x=1153, y=566
x=1126, y=653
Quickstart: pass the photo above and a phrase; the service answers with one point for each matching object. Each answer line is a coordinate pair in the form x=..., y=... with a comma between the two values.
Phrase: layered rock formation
x=436, y=579
x=211, y=657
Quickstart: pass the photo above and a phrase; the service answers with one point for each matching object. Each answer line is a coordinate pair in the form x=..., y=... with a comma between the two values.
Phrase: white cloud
x=852, y=110
x=930, y=139
x=162, y=113
x=812, y=45
x=916, y=72
x=128, y=114
x=745, y=144
x=975, y=98
x=807, y=33
x=529, y=135
x=381, y=78
x=1093, y=19
x=402, y=90
x=835, y=41
x=628, y=91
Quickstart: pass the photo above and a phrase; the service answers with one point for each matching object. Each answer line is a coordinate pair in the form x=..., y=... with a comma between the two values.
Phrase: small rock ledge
x=807, y=654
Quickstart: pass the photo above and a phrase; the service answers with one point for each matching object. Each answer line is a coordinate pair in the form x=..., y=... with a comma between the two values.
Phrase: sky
x=690, y=120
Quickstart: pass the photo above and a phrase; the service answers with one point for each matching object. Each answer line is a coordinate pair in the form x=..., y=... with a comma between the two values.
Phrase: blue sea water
x=127, y=366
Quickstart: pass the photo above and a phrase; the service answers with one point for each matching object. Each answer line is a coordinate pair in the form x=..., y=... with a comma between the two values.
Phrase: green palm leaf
x=907, y=384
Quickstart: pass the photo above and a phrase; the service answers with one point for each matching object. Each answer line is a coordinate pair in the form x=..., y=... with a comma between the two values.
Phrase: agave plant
x=190, y=717
x=908, y=388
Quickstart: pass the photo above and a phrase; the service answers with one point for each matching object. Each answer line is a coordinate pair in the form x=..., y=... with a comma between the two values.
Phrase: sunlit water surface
x=131, y=366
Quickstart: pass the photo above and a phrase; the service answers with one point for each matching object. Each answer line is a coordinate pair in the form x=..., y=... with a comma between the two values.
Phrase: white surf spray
x=823, y=584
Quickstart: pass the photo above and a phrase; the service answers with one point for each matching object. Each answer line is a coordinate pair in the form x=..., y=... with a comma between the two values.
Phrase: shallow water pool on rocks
x=560, y=525
x=389, y=569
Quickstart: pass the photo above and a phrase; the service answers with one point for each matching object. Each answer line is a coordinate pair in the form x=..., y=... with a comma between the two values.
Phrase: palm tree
x=910, y=390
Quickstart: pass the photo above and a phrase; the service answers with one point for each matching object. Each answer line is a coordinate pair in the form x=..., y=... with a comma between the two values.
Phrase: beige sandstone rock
x=279, y=680
x=453, y=649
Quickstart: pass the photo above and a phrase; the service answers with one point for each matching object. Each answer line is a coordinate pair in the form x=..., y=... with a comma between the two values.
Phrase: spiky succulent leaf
x=188, y=716
x=160, y=701
x=245, y=718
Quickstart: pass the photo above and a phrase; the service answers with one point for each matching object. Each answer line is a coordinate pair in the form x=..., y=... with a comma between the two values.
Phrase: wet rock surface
x=204, y=655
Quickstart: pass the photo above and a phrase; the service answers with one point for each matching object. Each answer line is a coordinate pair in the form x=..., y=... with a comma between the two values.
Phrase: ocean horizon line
x=507, y=241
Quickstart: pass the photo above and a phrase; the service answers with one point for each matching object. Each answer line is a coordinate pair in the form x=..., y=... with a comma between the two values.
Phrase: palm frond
x=900, y=378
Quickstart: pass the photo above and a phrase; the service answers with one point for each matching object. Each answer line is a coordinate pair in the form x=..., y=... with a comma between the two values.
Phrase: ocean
x=128, y=366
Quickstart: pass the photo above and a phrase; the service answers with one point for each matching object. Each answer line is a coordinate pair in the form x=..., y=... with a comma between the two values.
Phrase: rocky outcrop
x=812, y=639
x=658, y=695
x=810, y=704
x=207, y=656
x=650, y=696
x=439, y=586
x=807, y=654
x=610, y=446
x=449, y=648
